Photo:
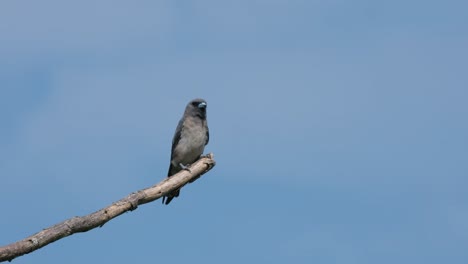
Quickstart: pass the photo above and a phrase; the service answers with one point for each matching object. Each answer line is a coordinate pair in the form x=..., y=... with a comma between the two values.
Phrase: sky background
x=339, y=128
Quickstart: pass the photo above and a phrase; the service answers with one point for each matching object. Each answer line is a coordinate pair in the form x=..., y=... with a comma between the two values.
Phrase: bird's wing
x=175, y=141
x=207, y=133
x=177, y=135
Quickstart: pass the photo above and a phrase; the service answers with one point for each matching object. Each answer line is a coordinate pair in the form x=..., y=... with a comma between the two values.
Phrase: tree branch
x=99, y=218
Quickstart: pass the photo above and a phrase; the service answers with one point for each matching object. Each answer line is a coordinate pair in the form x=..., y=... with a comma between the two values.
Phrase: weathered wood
x=99, y=218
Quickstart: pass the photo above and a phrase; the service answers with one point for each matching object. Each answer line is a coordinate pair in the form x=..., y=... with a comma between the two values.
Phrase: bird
x=189, y=141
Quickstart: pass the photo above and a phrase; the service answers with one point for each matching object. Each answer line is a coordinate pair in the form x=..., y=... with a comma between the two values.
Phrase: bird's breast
x=192, y=142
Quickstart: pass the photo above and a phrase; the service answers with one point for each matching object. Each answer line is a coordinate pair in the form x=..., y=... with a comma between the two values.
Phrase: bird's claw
x=185, y=167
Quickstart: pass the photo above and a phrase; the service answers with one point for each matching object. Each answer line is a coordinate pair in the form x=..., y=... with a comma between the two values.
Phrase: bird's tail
x=168, y=198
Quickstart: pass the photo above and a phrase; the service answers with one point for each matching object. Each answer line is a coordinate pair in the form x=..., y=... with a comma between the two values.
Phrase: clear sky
x=339, y=128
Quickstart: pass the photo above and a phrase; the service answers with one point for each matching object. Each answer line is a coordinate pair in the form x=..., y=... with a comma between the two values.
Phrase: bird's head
x=197, y=107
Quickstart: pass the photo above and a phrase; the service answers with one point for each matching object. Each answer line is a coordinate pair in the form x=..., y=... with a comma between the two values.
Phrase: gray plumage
x=189, y=140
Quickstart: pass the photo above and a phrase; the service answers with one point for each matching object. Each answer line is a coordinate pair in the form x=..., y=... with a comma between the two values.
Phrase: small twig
x=99, y=218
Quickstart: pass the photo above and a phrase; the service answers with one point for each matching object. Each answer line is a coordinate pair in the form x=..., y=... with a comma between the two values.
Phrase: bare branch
x=99, y=218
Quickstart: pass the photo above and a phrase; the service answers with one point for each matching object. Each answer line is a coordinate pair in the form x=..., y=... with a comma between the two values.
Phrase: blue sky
x=339, y=128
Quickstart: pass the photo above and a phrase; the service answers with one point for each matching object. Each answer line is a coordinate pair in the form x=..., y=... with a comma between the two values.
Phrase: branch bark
x=99, y=218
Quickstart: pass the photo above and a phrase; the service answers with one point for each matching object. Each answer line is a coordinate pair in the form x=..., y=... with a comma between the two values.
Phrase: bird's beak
x=202, y=105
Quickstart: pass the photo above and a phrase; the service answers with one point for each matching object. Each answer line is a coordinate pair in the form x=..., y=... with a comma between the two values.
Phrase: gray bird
x=189, y=140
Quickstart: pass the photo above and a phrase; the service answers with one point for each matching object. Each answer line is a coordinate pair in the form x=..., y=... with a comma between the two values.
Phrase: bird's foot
x=185, y=167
